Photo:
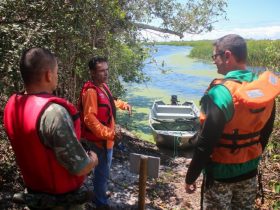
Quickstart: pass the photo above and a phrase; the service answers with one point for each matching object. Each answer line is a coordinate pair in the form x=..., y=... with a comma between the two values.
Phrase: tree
x=77, y=30
x=175, y=18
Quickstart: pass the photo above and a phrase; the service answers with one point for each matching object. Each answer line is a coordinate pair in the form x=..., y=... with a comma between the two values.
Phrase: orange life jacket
x=253, y=104
x=39, y=167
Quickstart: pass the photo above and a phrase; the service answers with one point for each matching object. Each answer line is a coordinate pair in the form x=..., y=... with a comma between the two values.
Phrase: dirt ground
x=166, y=192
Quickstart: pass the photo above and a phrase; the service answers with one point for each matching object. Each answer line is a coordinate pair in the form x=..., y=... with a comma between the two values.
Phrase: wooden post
x=142, y=182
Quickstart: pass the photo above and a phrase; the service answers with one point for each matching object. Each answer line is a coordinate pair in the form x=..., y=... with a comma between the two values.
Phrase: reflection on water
x=173, y=74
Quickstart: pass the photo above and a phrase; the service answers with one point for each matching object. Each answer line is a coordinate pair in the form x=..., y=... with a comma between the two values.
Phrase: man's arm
x=267, y=129
x=57, y=133
x=123, y=105
x=208, y=137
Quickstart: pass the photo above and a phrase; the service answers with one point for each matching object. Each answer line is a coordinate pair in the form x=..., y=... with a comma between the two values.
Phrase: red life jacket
x=106, y=109
x=253, y=104
x=40, y=170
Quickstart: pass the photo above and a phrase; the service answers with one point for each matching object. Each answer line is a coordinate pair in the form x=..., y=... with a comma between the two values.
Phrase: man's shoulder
x=90, y=92
x=219, y=90
x=56, y=111
x=55, y=107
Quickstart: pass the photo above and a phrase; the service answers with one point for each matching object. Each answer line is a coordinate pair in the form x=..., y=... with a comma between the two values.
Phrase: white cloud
x=268, y=32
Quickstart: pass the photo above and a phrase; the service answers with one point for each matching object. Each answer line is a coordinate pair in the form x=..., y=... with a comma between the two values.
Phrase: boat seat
x=174, y=110
x=179, y=115
x=173, y=107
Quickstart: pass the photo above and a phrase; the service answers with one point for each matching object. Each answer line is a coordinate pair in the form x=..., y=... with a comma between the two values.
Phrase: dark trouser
x=68, y=201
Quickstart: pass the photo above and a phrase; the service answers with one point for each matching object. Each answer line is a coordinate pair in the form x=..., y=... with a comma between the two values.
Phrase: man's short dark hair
x=94, y=61
x=234, y=43
x=34, y=61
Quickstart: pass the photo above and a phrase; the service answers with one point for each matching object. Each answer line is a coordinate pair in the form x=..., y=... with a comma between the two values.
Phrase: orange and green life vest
x=239, y=149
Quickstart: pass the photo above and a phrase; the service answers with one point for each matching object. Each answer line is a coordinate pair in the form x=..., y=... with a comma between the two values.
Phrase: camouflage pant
x=70, y=201
x=231, y=196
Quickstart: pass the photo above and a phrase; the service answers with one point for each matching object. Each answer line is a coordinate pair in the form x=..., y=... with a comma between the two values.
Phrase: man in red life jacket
x=44, y=132
x=98, y=111
x=233, y=135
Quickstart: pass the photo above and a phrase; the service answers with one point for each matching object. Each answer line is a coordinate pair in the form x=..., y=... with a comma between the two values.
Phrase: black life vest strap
x=76, y=116
x=222, y=81
x=240, y=136
x=112, y=102
x=237, y=146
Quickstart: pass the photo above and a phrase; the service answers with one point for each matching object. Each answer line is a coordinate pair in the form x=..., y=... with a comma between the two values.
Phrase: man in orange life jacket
x=232, y=136
x=98, y=111
x=44, y=131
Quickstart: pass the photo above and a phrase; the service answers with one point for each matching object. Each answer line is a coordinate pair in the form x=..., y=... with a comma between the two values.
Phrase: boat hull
x=173, y=142
x=174, y=126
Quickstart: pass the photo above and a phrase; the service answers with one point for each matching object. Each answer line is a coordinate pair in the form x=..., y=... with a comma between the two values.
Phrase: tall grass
x=263, y=53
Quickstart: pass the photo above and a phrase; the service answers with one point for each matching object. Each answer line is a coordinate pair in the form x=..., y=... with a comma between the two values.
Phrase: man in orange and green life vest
x=237, y=115
x=44, y=132
x=98, y=114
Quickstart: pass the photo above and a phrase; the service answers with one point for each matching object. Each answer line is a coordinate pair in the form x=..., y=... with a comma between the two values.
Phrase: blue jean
x=101, y=175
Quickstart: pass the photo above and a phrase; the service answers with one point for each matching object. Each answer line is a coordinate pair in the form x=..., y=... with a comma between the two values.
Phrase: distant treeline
x=263, y=53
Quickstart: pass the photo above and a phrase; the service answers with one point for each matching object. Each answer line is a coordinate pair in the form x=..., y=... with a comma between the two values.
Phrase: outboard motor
x=174, y=100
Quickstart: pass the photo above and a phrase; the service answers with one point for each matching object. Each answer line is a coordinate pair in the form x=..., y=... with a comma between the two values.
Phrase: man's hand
x=93, y=163
x=93, y=158
x=129, y=109
x=190, y=188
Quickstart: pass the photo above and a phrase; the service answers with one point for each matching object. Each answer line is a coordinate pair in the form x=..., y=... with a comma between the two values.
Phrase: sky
x=252, y=19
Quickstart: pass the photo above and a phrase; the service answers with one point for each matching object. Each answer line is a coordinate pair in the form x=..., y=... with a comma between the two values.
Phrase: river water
x=171, y=73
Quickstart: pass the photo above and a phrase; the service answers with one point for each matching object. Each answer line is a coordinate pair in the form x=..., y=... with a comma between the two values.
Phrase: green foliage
x=204, y=50
x=77, y=30
x=275, y=186
x=191, y=17
x=264, y=53
x=74, y=38
x=271, y=58
x=273, y=151
x=276, y=205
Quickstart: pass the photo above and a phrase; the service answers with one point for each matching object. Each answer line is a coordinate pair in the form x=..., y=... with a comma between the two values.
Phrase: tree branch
x=154, y=28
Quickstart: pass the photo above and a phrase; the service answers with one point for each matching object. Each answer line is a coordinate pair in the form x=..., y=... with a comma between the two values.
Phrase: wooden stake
x=142, y=182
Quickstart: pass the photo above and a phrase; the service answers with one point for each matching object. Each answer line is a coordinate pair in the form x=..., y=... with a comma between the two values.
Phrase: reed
x=261, y=53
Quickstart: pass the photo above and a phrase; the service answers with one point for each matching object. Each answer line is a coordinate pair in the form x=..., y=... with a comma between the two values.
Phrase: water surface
x=173, y=73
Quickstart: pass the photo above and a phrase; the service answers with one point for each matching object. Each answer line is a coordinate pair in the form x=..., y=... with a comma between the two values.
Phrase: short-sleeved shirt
x=57, y=133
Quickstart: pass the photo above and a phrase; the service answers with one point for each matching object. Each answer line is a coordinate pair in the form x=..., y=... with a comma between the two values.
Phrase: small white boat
x=173, y=126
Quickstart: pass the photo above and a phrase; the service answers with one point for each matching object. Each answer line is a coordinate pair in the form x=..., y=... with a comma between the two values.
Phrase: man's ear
x=228, y=54
x=92, y=73
x=48, y=75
